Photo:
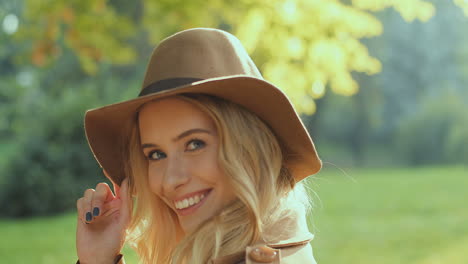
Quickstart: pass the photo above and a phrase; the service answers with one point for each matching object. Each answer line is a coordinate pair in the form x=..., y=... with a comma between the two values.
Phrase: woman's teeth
x=189, y=201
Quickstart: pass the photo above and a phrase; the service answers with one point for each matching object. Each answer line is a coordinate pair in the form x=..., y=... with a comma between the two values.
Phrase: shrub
x=436, y=132
x=50, y=164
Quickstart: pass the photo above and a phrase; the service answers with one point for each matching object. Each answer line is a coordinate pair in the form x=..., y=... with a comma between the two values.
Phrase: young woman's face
x=181, y=144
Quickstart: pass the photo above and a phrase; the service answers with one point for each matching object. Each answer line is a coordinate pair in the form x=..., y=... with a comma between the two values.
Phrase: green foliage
x=50, y=161
x=436, y=132
x=92, y=29
x=373, y=127
x=47, y=163
x=302, y=46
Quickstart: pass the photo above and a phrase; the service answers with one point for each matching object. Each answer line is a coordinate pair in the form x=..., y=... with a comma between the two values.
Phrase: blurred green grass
x=414, y=216
x=46, y=240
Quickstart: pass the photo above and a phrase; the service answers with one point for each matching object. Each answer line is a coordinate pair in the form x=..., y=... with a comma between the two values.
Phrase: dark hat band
x=166, y=84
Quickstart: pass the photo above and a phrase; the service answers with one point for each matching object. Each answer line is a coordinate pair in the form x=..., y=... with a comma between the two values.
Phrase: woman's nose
x=176, y=174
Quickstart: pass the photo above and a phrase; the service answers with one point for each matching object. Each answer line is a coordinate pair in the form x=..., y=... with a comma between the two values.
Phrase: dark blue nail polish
x=96, y=211
x=89, y=217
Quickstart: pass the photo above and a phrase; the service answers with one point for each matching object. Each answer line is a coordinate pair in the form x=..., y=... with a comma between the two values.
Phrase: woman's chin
x=189, y=228
x=192, y=225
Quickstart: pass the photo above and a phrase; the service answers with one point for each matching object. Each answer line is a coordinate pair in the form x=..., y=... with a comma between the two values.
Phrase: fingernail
x=89, y=216
x=96, y=211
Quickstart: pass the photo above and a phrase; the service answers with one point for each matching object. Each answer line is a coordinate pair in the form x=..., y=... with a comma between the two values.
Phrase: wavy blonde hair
x=251, y=157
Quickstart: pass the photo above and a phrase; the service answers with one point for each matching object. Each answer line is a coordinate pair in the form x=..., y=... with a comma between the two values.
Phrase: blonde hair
x=252, y=158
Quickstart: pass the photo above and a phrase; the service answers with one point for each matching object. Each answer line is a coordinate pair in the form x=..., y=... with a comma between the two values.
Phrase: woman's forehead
x=172, y=115
x=166, y=102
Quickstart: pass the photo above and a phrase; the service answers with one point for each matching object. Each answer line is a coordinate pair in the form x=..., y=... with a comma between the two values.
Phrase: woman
x=212, y=155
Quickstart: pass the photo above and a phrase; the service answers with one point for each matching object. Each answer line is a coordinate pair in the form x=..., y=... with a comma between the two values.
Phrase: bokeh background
x=381, y=86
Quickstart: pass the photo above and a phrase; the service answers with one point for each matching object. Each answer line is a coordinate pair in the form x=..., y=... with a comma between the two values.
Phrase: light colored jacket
x=289, y=243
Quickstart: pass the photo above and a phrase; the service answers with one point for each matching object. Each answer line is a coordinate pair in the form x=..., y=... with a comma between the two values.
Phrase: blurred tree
x=301, y=45
x=422, y=63
x=428, y=135
x=45, y=164
x=422, y=67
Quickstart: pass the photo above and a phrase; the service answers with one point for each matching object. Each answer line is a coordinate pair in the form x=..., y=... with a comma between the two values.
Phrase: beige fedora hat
x=207, y=61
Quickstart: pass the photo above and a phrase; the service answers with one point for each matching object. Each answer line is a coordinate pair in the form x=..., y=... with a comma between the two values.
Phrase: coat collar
x=290, y=231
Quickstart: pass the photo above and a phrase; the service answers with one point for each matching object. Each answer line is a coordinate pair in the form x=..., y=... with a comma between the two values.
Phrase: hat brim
x=105, y=126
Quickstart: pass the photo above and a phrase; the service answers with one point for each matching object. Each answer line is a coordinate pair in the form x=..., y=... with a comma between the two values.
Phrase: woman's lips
x=191, y=209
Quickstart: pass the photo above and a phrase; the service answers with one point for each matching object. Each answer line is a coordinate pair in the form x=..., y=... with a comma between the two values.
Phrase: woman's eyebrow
x=148, y=145
x=179, y=137
x=189, y=132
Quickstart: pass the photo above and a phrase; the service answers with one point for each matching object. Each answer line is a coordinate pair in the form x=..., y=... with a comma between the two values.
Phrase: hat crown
x=199, y=53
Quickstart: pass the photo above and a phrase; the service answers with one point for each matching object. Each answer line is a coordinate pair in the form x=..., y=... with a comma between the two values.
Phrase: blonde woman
x=206, y=163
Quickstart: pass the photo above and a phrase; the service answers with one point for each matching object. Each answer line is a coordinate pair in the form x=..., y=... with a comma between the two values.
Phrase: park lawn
x=413, y=216
x=42, y=240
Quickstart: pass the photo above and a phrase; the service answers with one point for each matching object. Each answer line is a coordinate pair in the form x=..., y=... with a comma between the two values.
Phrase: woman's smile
x=188, y=204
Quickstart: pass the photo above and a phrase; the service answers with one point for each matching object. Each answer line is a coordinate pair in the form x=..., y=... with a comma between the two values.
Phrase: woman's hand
x=102, y=221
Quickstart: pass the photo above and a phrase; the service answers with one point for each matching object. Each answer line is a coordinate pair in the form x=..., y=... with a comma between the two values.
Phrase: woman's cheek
x=208, y=164
x=154, y=183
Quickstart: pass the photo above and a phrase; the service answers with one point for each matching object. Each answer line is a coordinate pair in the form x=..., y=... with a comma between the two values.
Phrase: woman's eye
x=195, y=144
x=156, y=155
